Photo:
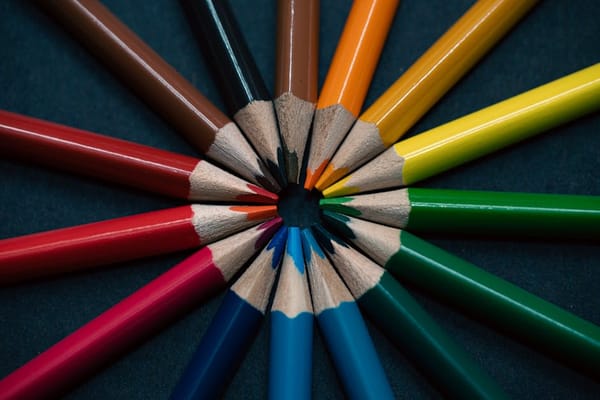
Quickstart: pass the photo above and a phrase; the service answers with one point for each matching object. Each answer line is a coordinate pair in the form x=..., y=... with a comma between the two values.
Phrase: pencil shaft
x=159, y=84
x=539, y=323
x=501, y=213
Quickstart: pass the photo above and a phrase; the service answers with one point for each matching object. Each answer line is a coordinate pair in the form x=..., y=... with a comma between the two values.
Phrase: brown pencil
x=160, y=85
x=296, y=77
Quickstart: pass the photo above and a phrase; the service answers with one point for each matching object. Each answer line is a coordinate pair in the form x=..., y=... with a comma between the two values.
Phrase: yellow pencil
x=477, y=134
x=424, y=83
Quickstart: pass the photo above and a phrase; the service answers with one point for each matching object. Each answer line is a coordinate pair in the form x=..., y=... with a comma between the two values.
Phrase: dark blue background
x=46, y=74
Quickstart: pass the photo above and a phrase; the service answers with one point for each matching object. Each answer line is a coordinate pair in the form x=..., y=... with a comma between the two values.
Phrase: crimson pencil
x=102, y=339
x=125, y=238
x=123, y=162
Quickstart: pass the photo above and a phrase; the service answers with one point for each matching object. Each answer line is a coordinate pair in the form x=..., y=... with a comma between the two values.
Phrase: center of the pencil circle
x=298, y=206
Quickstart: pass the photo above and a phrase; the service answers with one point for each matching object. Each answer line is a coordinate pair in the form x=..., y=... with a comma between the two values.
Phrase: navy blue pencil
x=233, y=328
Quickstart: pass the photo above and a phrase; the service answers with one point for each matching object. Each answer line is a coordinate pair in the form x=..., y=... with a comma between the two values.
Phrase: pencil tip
x=330, y=176
x=339, y=223
x=337, y=204
x=269, y=228
x=255, y=213
x=259, y=195
x=340, y=189
x=312, y=176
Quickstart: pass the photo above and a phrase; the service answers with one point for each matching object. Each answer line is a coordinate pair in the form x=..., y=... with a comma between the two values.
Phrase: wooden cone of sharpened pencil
x=296, y=77
x=128, y=322
x=533, y=215
x=120, y=239
x=477, y=134
x=424, y=83
x=161, y=86
x=343, y=328
x=123, y=162
x=242, y=87
x=566, y=337
x=348, y=80
x=233, y=328
x=291, y=330
x=408, y=325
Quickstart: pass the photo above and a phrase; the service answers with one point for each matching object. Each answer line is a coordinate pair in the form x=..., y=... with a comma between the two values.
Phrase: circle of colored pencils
x=233, y=328
x=122, y=162
x=296, y=77
x=134, y=318
x=121, y=239
x=476, y=212
x=171, y=95
x=291, y=331
x=343, y=328
x=477, y=134
x=566, y=337
x=424, y=83
x=408, y=325
x=348, y=80
x=243, y=89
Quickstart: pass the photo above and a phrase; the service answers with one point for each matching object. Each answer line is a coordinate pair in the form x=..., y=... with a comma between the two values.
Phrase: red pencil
x=93, y=345
x=121, y=239
x=123, y=162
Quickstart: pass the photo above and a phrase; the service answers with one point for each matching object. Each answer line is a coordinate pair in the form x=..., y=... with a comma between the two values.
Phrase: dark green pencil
x=541, y=324
x=407, y=324
x=476, y=212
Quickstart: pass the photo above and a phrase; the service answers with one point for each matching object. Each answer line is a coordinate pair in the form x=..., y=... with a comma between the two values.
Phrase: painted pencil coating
x=296, y=77
x=343, y=328
x=410, y=327
x=124, y=325
x=159, y=84
x=477, y=134
x=348, y=79
x=122, y=162
x=290, y=354
x=240, y=82
x=521, y=314
x=233, y=328
x=425, y=82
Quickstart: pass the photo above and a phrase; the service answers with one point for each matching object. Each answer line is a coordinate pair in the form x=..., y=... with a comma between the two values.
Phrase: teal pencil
x=408, y=325
x=523, y=315
x=343, y=328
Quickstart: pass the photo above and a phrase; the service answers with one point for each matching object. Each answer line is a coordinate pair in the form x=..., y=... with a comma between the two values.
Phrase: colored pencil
x=85, y=246
x=291, y=332
x=476, y=212
x=122, y=162
x=487, y=297
x=296, y=75
x=407, y=324
x=348, y=80
x=343, y=328
x=124, y=325
x=160, y=85
x=424, y=83
x=233, y=328
x=246, y=96
x=477, y=134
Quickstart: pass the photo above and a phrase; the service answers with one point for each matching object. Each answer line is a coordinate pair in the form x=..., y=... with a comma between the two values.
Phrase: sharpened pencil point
x=261, y=196
x=340, y=189
x=330, y=176
x=254, y=213
x=312, y=176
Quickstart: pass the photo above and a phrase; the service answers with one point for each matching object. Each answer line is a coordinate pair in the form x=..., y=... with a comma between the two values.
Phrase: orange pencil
x=348, y=79
x=424, y=83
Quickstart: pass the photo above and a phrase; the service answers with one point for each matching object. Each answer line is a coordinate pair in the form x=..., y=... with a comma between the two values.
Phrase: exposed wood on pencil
x=126, y=324
x=507, y=307
x=296, y=77
x=241, y=84
x=424, y=83
x=81, y=247
x=122, y=162
x=477, y=134
x=157, y=83
x=408, y=325
x=233, y=328
x=348, y=80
